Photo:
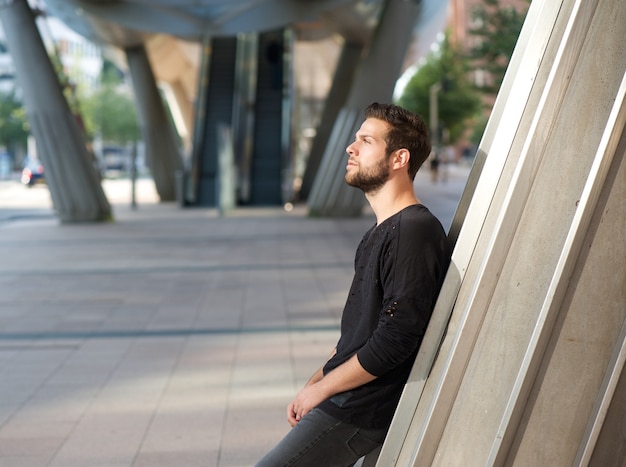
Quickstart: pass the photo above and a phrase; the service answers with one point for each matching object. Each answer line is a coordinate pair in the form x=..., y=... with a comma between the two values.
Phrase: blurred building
x=7, y=71
x=461, y=20
x=81, y=60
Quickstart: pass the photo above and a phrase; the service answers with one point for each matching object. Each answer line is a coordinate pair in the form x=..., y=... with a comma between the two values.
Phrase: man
x=345, y=409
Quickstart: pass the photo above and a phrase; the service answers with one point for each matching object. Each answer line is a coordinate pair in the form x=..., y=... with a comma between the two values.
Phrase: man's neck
x=389, y=201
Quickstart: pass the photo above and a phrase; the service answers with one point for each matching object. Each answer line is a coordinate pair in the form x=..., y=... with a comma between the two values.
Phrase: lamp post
x=434, y=114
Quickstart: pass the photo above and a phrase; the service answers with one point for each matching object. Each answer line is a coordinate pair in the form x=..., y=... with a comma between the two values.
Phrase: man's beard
x=369, y=180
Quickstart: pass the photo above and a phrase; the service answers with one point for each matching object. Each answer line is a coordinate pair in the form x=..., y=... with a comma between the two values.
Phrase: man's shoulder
x=419, y=217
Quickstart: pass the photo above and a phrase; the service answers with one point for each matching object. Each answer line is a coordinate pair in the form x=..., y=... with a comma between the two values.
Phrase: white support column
x=519, y=90
x=529, y=370
x=342, y=79
x=375, y=80
x=162, y=152
x=70, y=170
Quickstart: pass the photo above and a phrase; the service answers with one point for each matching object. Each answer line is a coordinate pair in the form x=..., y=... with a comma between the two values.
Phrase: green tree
x=110, y=112
x=458, y=100
x=497, y=29
x=496, y=32
x=14, y=128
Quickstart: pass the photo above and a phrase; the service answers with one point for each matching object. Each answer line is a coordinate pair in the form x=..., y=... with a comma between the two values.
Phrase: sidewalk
x=170, y=337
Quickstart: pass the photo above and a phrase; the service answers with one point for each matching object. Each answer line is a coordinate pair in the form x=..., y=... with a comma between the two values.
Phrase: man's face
x=368, y=167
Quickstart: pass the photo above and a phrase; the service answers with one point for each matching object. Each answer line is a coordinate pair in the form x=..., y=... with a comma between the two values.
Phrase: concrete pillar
x=375, y=80
x=185, y=105
x=69, y=169
x=529, y=366
x=342, y=80
x=162, y=152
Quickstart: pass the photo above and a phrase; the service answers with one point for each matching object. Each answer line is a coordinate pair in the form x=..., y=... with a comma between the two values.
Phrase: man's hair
x=407, y=130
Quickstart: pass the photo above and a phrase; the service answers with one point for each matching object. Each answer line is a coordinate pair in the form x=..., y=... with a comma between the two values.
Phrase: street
x=18, y=202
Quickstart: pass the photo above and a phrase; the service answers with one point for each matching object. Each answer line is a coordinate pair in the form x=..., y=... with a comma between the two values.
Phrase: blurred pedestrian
x=434, y=166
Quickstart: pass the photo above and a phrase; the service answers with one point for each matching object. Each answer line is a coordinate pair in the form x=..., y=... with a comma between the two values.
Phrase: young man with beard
x=345, y=409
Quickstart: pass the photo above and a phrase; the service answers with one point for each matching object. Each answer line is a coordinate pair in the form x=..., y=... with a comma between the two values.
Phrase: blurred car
x=32, y=172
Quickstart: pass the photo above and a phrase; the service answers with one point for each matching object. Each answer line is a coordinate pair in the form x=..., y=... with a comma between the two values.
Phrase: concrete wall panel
x=586, y=333
x=556, y=166
x=521, y=329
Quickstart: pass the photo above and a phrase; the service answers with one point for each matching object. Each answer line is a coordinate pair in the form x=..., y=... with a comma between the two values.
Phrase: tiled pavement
x=171, y=337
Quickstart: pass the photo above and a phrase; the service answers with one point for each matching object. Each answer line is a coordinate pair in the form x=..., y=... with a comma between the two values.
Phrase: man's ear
x=401, y=158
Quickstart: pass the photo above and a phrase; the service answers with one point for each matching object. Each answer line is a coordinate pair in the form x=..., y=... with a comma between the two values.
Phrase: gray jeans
x=321, y=440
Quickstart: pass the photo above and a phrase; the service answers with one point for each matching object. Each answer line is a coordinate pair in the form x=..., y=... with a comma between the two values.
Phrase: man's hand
x=306, y=400
x=346, y=376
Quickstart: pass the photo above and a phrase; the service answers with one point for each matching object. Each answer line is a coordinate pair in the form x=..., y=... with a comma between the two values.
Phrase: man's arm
x=319, y=374
x=346, y=376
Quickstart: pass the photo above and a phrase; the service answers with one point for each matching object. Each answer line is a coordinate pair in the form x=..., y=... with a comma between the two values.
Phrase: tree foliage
x=495, y=34
x=496, y=29
x=14, y=128
x=110, y=112
x=458, y=100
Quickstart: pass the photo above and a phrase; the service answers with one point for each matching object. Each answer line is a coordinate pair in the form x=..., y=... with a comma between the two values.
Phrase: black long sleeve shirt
x=399, y=268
